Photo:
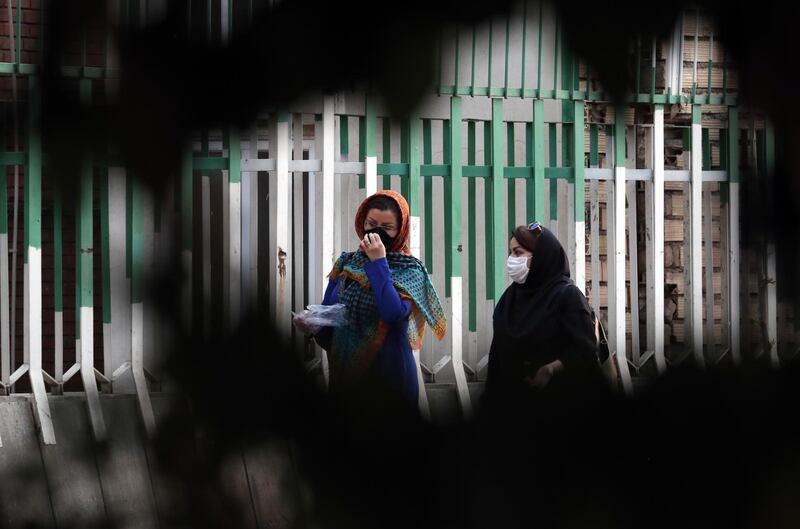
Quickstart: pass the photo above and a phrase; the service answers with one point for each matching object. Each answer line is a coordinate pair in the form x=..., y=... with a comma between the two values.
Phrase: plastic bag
x=315, y=317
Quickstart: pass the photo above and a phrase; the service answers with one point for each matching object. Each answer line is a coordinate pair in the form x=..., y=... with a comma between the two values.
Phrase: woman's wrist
x=375, y=260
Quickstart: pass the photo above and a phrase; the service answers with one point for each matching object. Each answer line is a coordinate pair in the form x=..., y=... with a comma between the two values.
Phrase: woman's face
x=517, y=250
x=382, y=219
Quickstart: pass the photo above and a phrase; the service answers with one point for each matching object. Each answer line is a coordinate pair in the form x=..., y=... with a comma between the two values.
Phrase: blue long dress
x=394, y=363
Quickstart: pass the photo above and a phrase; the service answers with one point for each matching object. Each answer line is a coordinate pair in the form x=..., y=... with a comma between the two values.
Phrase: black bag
x=602, y=340
x=607, y=364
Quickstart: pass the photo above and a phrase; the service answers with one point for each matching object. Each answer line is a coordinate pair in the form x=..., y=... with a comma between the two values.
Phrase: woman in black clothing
x=542, y=324
x=543, y=416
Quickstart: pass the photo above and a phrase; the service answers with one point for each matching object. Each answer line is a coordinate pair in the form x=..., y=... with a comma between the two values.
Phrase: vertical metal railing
x=451, y=152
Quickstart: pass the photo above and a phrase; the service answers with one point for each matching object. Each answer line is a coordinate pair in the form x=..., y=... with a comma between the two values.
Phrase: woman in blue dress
x=389, y=298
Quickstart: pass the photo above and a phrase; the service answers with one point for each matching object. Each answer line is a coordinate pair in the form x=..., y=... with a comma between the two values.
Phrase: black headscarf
x=524, y=308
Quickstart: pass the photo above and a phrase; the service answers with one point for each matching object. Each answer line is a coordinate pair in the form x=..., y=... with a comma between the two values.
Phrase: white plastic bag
x=315, y=317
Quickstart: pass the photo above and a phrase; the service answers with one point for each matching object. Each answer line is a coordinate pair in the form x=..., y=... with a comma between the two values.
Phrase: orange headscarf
x=403, y=233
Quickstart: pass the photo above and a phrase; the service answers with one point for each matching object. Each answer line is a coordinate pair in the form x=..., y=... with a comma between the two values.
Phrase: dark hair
x=384, y=203
x=526, y=237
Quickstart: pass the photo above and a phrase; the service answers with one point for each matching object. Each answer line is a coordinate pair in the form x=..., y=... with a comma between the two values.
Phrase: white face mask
x=517, y=268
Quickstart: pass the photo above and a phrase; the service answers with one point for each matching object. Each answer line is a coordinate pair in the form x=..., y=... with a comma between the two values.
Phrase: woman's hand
x=372, y=246
x=301, y=324
x=545, y=374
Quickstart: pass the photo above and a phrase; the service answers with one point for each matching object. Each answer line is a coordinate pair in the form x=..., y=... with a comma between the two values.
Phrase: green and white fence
x=517, y=129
